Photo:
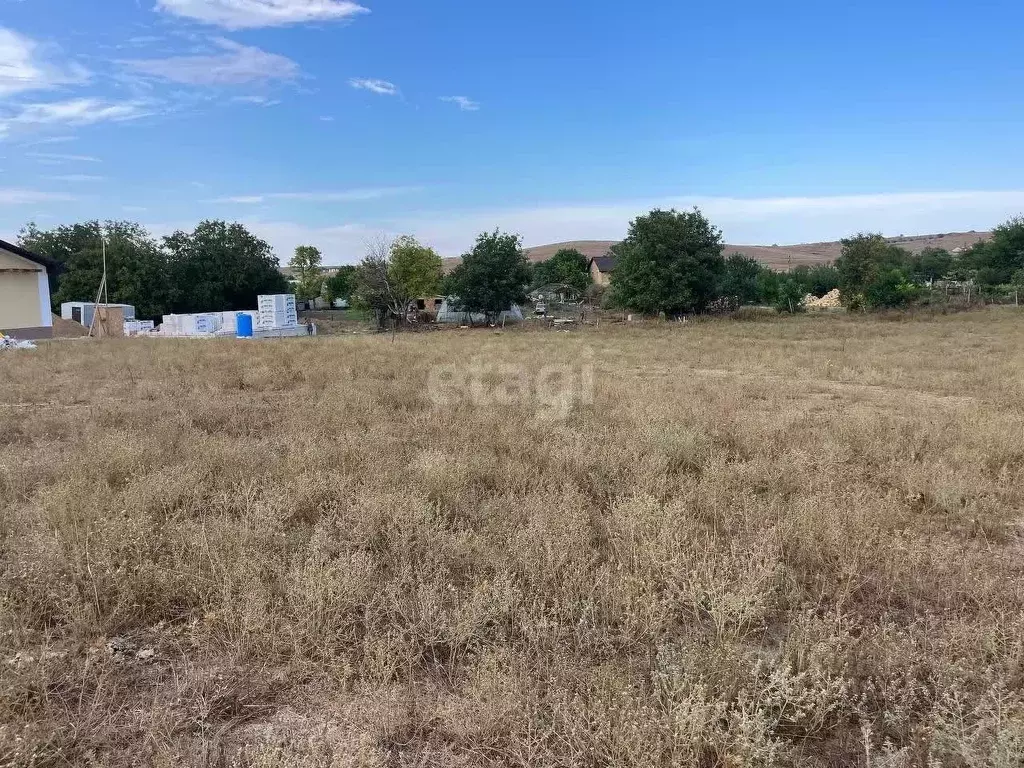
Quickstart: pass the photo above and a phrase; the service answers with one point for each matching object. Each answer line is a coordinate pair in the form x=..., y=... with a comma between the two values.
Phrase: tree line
x=671, y=262
x=216, y=266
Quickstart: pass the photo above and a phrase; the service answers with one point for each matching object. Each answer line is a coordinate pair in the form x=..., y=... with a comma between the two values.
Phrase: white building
x=24, y=293
x=82, y=311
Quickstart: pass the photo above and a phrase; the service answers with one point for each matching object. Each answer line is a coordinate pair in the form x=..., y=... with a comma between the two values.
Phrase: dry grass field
x=794, y=542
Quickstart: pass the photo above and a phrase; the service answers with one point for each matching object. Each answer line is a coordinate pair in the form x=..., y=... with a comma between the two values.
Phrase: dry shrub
x=768, y=543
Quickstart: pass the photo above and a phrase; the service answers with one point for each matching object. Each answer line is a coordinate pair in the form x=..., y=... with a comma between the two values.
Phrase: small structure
x=601, y=269
x=108, y=321
x=83, y=311
x=25, y=293
x=447, y=313
x=424, y=309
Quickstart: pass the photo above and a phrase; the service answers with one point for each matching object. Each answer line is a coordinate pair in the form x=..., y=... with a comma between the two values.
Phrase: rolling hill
x=780, y=257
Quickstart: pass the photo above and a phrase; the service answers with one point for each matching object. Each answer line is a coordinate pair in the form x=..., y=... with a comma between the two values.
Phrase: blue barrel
x=243, y=326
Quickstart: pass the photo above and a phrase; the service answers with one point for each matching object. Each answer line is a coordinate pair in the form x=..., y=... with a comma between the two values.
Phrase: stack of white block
x=136, y=327
x=277, y=311
x=202, y=324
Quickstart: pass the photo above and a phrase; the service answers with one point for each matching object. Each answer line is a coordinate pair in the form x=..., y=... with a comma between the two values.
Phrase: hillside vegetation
x=782, y=256
x=785, y=543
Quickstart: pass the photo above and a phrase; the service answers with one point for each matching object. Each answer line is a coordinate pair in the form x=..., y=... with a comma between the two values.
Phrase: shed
x=25, y=293
x=82, y=311
x=601, y=269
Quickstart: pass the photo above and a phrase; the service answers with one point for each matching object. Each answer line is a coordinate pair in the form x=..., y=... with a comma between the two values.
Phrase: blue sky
x=328, y=122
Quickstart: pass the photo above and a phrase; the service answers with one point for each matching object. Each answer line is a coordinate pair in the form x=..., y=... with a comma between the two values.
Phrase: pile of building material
x=277, y=311
x=6, y=342
x=138, y=327
x=829, y=301
x=276, y=316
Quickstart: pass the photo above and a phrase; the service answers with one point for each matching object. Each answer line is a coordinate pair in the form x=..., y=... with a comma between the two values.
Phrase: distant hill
x=779, y=257
x=782, y=257
x=589, y=248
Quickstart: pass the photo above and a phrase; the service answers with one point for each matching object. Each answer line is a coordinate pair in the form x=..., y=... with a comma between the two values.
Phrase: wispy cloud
x=134, y=208
x=343, y=196
x=57, y=157
x=382, y=87
x=76, y=177
x=464, y=103
x=30, y=197
x=326, y=119
x=140, y=41
x=238, y=64
x=83, y=111
x=259, y=101
x=26, y=65
x=242, y=14
x=48, y=140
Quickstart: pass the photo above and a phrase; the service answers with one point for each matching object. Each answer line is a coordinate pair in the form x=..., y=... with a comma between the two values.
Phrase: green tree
x=670, y=262
x=492, y=277
x=567, y=267
x=136, y=267
x=339, y=285
x=768, y=286
x=220, y=266
x=740, y=279
x=931, y=264
x=789, y=294
x=996, y=261
x=871, y=271
x=308, y=273
x=890, y=286
x=414, y=269
x=392, y=275
x=816, y=279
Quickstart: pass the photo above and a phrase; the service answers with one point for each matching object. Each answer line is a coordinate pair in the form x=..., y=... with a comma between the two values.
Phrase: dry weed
x=795, y=542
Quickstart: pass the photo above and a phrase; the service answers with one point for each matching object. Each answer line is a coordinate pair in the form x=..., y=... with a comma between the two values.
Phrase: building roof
x=605, y=263
x=42, y=261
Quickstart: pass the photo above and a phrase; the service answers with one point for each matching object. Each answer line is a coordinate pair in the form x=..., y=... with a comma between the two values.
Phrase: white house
x=24, y=293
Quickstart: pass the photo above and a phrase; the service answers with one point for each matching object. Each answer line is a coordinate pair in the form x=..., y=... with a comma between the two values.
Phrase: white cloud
x=25, y=66
x=29, y=197
x=465, y=104
x=743, y=220
x=48, y=140
x=75, y=177
x=326, y=119
x=382, y=87
x=344, y=196
x=242, y=14
x=237, y=65
x=259, y=101
x=134, y=208
x=55, y=157
x=83, y=111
